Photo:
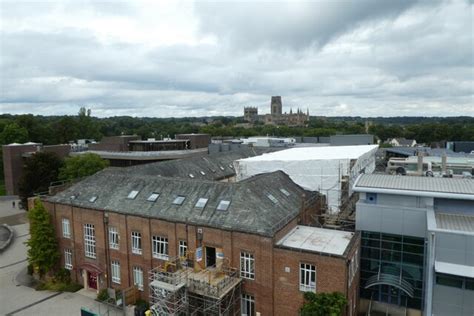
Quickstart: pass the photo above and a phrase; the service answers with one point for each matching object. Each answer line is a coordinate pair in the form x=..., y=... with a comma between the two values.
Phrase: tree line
x=63, y=129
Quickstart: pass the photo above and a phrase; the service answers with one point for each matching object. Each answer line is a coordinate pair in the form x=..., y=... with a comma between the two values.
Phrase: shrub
x=103, y=295
x=63, y=275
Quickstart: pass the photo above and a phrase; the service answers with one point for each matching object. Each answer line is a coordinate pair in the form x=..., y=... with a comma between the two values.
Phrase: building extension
x=189, y=244
x=417, y=253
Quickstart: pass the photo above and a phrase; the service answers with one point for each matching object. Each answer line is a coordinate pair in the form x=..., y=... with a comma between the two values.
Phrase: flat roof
x=416, y=186
x=145, y=155
x=316, y=153
x=315, y=239
x=455, y=222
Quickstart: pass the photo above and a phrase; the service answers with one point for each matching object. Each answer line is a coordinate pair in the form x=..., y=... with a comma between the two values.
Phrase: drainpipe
x=430, y=280
x=444, y=164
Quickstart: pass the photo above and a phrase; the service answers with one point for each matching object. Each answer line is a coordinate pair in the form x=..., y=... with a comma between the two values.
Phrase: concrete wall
x=455, y=248
x=452, y=301
x=347, y=140
x=391, y=218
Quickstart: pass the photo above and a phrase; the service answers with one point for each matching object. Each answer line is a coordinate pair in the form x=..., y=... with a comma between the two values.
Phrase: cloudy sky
x=183, y=58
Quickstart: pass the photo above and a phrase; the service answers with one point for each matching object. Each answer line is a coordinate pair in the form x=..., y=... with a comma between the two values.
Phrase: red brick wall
x=331, y=275
x=276, y=292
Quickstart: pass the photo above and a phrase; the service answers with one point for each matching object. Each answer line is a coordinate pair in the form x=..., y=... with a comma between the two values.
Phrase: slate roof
x=462, y=188
x=211, y=167
x=412, y=151
x=250, y=210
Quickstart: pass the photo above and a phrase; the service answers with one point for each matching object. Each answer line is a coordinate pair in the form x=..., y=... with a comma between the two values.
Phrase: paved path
x=17, y=299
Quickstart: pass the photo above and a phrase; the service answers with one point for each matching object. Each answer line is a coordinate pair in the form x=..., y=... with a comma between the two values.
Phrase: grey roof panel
x=455, y=222
x=249, y=211
x=408, y=183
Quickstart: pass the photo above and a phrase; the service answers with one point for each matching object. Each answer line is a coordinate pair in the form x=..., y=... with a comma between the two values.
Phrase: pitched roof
x=211, y=167
x=251, y=208
x=429, y=186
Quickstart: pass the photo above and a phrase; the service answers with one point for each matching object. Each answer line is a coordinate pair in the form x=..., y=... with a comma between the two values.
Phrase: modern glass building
x=417, y=247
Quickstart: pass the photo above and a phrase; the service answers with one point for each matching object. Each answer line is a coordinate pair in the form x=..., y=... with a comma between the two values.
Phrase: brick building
x=14, y=156
x=236, y=248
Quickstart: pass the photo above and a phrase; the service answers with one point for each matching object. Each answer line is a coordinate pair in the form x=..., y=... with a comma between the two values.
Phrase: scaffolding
x=179, y=288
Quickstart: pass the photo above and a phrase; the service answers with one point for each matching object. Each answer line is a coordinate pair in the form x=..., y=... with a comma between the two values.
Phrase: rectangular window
x=449, y=280
x=247, y=265
x=138, y=278
x=136, y=243
x=201, y=203
x=115, y=268
x=132, y=195
x=68, y=259
x=247, y=305
x=307, y=277
x=160, y=247
x=89, y=241
x=113, y=238
x=179, y=200
x=223, y=205
x=66, y=228
x=153, y=197
x=183, y=248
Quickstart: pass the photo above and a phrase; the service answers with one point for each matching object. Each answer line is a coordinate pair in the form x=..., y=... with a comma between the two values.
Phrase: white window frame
x=66, y=226
x=247, y=302
x=138, y=278
x=115, y=271
x=183, y=248
x=89, y=241
x=160, y=247
x=137, y=243
x=68, y=259
x=113, y=238
x=247, y=265
x=306, y=272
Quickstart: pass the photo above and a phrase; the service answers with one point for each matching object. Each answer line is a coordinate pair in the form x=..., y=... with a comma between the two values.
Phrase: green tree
x=13, y=133
x=39, y=171
x=43, y=253
x=82, y=166
x=323, y=304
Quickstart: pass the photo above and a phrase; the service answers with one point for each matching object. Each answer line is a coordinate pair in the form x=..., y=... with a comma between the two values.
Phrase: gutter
x=414, y=193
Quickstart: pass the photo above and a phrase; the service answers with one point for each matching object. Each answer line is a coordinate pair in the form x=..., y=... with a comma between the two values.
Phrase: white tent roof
x=315, y=153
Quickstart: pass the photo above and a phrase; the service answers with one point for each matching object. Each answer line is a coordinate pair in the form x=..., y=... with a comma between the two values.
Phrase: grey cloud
x=290, y=25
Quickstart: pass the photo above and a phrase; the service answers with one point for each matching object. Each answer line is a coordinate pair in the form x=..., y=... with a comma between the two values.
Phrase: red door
x=92, y=280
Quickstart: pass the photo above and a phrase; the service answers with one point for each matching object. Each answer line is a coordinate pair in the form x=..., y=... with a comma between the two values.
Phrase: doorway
x=210, y=257
x=92, y=280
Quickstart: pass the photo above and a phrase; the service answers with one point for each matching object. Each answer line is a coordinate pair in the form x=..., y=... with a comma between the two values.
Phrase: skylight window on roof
x=285, y=192
x=201, y=203
x=272, y=198
x=223, y=205
x=179, y=200
x=202, y=172
x=221, y=167
x=93, y=199
x=153, y=197
x=133, y=194
x=230, y=166
x=191, y=175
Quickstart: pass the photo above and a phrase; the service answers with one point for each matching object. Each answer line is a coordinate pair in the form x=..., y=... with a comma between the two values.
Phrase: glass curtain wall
x=395, y=255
